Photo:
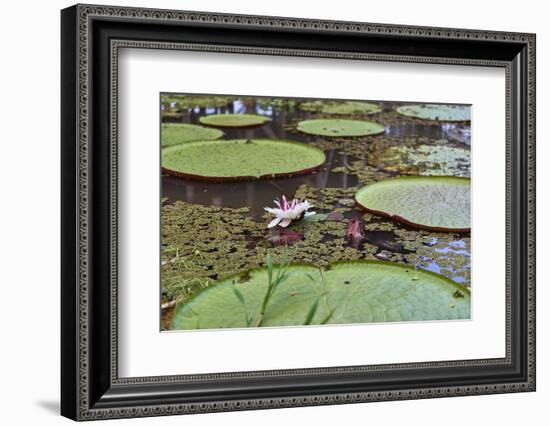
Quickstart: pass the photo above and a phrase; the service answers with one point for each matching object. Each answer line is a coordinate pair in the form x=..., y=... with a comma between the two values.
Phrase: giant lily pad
x=338, y=107
x=340, y=128
x=240, y=159
x=436, y=112
x=348, y=292
x=233, y=120
x=438, y=203
x=176, y=133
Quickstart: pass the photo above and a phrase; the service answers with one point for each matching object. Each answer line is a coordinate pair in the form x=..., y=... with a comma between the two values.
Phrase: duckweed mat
x=184, y=102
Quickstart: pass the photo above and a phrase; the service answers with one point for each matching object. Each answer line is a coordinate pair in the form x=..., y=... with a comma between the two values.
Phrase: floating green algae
x=346, y=292
x=205, y=243
x=172, y=100
x=339, y=127
x=341, y=107
x=433, y=202
x=241, y=159
x=176, y=133
x=438, y=112
x=425, y=160
x=233, y=120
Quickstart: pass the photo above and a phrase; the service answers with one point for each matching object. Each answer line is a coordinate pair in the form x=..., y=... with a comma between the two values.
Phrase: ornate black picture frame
x=91, y=36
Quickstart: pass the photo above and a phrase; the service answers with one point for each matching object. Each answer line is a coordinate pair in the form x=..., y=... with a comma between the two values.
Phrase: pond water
x=444, y=253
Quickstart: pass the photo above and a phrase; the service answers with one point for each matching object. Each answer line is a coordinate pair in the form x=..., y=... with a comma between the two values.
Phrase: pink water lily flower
x=286, y=212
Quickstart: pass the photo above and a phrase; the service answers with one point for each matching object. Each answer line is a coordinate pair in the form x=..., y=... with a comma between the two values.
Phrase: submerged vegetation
x=375, y=227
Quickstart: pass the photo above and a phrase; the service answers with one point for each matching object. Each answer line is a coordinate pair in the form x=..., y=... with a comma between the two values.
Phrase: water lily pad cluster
x=210, y=251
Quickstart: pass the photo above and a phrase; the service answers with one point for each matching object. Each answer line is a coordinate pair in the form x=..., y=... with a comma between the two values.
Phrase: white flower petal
x=275, y=212
x=274, y=222
x=285, y=222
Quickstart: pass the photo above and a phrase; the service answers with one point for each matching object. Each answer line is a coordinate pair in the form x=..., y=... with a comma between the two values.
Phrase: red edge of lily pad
x=234, y=126
x=190, y=176
x=404, y=221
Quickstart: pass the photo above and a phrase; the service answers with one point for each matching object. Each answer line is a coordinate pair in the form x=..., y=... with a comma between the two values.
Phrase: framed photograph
x=263, y=212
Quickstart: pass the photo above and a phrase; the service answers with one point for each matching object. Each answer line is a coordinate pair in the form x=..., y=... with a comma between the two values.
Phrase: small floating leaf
x=436, y=112
x=176, y=133
x=317, y=217
x=340, y=127
x=233, y=120
x=240, y=159
x=376, y=291
x=437, y=203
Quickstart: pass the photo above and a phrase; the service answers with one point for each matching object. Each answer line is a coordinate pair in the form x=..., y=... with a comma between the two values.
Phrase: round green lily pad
x=233, y=120
x=436, y=112
x=339, y=107
x=348, y=292
x=241, y=159
x=176, y=133
x=438, y=203
x=340, y=128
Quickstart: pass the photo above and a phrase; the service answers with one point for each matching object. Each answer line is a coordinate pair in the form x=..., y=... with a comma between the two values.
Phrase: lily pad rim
x=191, y=176
x=407, y=222
x=338, y=263
x=264, y=118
